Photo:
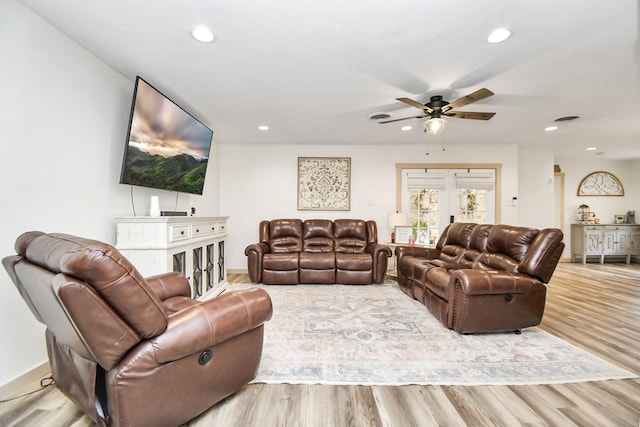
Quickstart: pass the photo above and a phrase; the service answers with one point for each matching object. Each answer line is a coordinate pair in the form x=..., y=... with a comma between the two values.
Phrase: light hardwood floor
x=595, y=307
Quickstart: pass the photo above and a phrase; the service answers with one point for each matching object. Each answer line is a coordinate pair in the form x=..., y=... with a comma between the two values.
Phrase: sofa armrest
x=254, y=255
x=214, y=321
x=493, y=300
x=380, y=254
x=168, y=285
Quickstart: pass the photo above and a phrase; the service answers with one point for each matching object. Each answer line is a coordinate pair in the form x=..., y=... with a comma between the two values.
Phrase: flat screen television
x=167, y=148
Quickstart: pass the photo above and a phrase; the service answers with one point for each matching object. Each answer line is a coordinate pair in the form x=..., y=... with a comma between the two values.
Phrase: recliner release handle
x=205, y=357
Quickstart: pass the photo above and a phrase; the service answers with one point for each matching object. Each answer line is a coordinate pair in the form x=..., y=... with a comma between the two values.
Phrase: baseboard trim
x=238, y=271
x=25, y=383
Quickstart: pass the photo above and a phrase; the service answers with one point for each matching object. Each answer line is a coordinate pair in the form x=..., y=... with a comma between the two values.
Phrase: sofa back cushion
x=285, y=235
x=350, y=235
x=506, y=247
x=477, y=244
x=317, y=235
x=457, y=241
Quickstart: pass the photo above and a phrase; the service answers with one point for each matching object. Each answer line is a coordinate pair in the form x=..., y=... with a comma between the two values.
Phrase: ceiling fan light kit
x=435, y=125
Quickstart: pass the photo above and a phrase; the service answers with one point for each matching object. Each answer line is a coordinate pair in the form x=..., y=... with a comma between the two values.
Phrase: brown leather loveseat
x=292, y=251
x=482, y=278
x=134, y=351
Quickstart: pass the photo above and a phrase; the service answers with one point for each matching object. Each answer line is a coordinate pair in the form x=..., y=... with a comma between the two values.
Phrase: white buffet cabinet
x=605, y=240
x=193, y=246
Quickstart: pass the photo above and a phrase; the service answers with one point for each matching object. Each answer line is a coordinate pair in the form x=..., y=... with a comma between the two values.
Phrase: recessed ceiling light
x=551, y=128
x=406, y=128
x=592, y=148
x=499, y=35
x=203, y=34
x=263, y=127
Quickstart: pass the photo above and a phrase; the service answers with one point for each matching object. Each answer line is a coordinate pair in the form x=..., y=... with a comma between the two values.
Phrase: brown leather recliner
x=131, y=351
x=292, y=251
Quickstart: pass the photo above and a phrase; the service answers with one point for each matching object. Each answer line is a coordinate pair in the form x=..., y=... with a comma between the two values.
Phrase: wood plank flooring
x=595, y=307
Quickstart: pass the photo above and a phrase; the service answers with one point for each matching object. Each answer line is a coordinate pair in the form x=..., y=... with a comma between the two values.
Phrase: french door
x=433, y=198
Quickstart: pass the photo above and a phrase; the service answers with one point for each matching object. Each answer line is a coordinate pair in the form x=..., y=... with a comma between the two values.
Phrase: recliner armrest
x=168, y=285
x=213, y=321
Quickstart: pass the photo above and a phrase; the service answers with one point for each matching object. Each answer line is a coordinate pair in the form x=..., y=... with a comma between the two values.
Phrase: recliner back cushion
x=318, y=235
x=285, y=235
x=350, y=235
x=105, y=270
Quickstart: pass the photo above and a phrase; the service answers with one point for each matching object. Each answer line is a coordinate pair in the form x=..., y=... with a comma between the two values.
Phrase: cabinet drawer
x=222, y=227
x=178, y=233
x=204, y=229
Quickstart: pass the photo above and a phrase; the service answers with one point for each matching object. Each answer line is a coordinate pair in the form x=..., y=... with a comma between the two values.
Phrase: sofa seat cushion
x=317, y=261
x=280, y=261
x=317, y=268
x=354, y=262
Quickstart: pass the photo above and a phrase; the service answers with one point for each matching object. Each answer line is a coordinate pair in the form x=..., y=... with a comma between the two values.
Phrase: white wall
x=64, y=120
x=536, y=189
x=260, y=182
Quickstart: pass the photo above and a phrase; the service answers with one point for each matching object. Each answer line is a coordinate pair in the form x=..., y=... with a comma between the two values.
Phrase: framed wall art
x=324, y=183
x=600, y=183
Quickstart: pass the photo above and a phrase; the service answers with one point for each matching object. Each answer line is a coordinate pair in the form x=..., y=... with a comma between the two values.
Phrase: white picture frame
x=403, y=233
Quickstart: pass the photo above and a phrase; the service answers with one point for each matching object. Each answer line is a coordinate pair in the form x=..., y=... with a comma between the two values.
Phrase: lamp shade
x=397, y=219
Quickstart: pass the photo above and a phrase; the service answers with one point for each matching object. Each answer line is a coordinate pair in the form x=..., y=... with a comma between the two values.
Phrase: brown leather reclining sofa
x=292, y=251
x=482, y=278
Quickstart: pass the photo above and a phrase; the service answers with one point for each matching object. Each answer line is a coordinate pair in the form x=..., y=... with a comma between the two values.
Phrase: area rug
x=377, y=335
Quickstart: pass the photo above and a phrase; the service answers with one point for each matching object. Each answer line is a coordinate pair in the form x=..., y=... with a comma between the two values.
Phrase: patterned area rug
x=377, y=335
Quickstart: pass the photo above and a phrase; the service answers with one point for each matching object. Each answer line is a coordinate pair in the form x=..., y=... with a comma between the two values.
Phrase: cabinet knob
x=182, y=232
x=197, y=230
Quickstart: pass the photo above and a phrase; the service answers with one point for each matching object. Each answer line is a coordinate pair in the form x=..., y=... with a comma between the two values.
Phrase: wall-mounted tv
x=167, y=148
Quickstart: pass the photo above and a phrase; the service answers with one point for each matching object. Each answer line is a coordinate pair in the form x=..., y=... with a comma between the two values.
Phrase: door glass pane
x=472, y=205
x=424, y=215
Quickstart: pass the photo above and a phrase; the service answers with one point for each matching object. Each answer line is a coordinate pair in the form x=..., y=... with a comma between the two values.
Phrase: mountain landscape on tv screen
x=182, y=173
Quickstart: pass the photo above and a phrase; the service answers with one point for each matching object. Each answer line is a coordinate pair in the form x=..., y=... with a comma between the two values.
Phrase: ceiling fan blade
x=469, y=115
x=466, y=100
x=416, y=104
x=404, y=118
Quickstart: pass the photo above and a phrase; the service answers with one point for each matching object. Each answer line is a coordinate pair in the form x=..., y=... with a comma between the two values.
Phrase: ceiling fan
x=438, y=107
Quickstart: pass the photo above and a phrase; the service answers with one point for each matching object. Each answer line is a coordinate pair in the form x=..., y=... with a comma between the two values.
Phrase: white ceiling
x=314, y=71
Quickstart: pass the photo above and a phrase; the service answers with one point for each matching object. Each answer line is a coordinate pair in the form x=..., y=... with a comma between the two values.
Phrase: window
x=434, y=197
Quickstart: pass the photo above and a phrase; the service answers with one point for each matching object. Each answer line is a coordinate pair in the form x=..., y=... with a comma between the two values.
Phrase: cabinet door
x=616, y=241
x=634, y=242
x=623, y=241
x=593, y=242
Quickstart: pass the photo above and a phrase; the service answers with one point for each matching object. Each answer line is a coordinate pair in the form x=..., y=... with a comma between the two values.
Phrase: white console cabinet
x=605, y=240
x=193, y=246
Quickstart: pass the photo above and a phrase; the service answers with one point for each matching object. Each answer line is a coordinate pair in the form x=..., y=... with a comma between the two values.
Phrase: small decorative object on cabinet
x=193, y=246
